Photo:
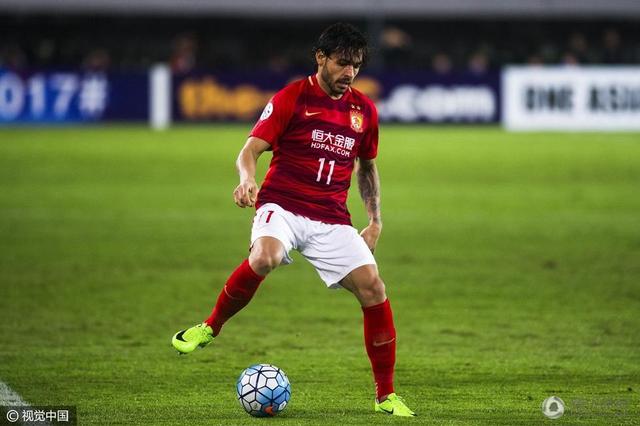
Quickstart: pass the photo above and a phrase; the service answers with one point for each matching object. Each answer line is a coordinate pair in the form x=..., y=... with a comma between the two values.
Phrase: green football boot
x=188, y=340
x=395, y=406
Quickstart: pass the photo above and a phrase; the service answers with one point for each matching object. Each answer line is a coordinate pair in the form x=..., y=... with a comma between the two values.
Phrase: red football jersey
x=315, y=140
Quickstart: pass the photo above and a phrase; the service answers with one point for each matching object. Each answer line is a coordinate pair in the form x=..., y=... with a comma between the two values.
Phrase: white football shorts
x=334, y=250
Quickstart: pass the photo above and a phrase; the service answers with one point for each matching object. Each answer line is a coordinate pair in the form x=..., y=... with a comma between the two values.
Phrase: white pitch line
x=10, y=398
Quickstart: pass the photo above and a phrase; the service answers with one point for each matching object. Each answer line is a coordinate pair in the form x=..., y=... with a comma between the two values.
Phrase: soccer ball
x=263, y=390
x=553, y=407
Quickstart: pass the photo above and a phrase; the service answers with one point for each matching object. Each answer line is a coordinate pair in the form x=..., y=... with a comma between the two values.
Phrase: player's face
x=336, y=72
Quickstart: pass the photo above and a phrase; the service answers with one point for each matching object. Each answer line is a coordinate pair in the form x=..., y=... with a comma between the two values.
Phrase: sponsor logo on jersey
x=340, y=144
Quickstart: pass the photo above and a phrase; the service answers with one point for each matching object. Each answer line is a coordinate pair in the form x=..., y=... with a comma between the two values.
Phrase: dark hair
x=344, y=39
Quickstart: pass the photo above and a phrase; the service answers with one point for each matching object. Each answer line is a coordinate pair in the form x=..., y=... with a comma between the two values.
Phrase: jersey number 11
x=321, y=167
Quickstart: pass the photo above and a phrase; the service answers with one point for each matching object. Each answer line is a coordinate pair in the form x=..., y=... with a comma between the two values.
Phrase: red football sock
x=235, y=295
x=380, y=341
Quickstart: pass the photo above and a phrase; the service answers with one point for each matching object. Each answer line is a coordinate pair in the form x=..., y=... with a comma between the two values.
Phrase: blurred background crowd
x=113, y=43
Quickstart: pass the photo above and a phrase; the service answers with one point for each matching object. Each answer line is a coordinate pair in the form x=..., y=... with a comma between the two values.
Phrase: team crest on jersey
x=357, y=120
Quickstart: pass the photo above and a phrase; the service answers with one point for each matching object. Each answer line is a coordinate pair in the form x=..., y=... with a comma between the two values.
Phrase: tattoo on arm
x=369, y=185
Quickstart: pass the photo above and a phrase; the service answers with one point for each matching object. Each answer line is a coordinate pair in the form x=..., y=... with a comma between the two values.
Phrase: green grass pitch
x=512, y=262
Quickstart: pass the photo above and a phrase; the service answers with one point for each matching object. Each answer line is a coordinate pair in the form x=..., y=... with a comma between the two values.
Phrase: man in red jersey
x=317, y=128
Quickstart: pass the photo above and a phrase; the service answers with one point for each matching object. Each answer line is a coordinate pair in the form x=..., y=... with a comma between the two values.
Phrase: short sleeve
x=275, y=117
x=369, y=146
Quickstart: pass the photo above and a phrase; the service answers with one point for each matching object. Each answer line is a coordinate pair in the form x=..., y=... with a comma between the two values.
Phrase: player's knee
x=372, y=291
x=263, y=262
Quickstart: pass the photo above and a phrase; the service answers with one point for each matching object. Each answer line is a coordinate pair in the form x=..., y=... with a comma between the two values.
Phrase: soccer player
x=317, y=127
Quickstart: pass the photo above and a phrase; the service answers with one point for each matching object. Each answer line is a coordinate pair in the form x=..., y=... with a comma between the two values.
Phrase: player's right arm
x=246, y=192
x=264, y=135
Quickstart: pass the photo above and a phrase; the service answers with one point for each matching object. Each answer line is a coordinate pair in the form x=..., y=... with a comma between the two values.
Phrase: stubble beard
x=333, y=88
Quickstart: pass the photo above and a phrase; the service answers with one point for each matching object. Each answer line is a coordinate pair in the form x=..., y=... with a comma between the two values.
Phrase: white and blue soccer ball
x=263, y=390
x=553, y=407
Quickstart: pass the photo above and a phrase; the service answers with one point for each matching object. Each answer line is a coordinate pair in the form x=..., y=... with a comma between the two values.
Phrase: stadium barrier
x=54, y=97
x=571, y=98
x=407, y=97
x=522, y=98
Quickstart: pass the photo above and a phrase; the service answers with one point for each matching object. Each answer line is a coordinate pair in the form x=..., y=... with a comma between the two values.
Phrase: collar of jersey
x=318, y=90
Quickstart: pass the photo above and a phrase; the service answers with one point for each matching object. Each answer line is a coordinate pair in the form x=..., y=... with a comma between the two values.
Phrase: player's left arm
x=369, y=186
